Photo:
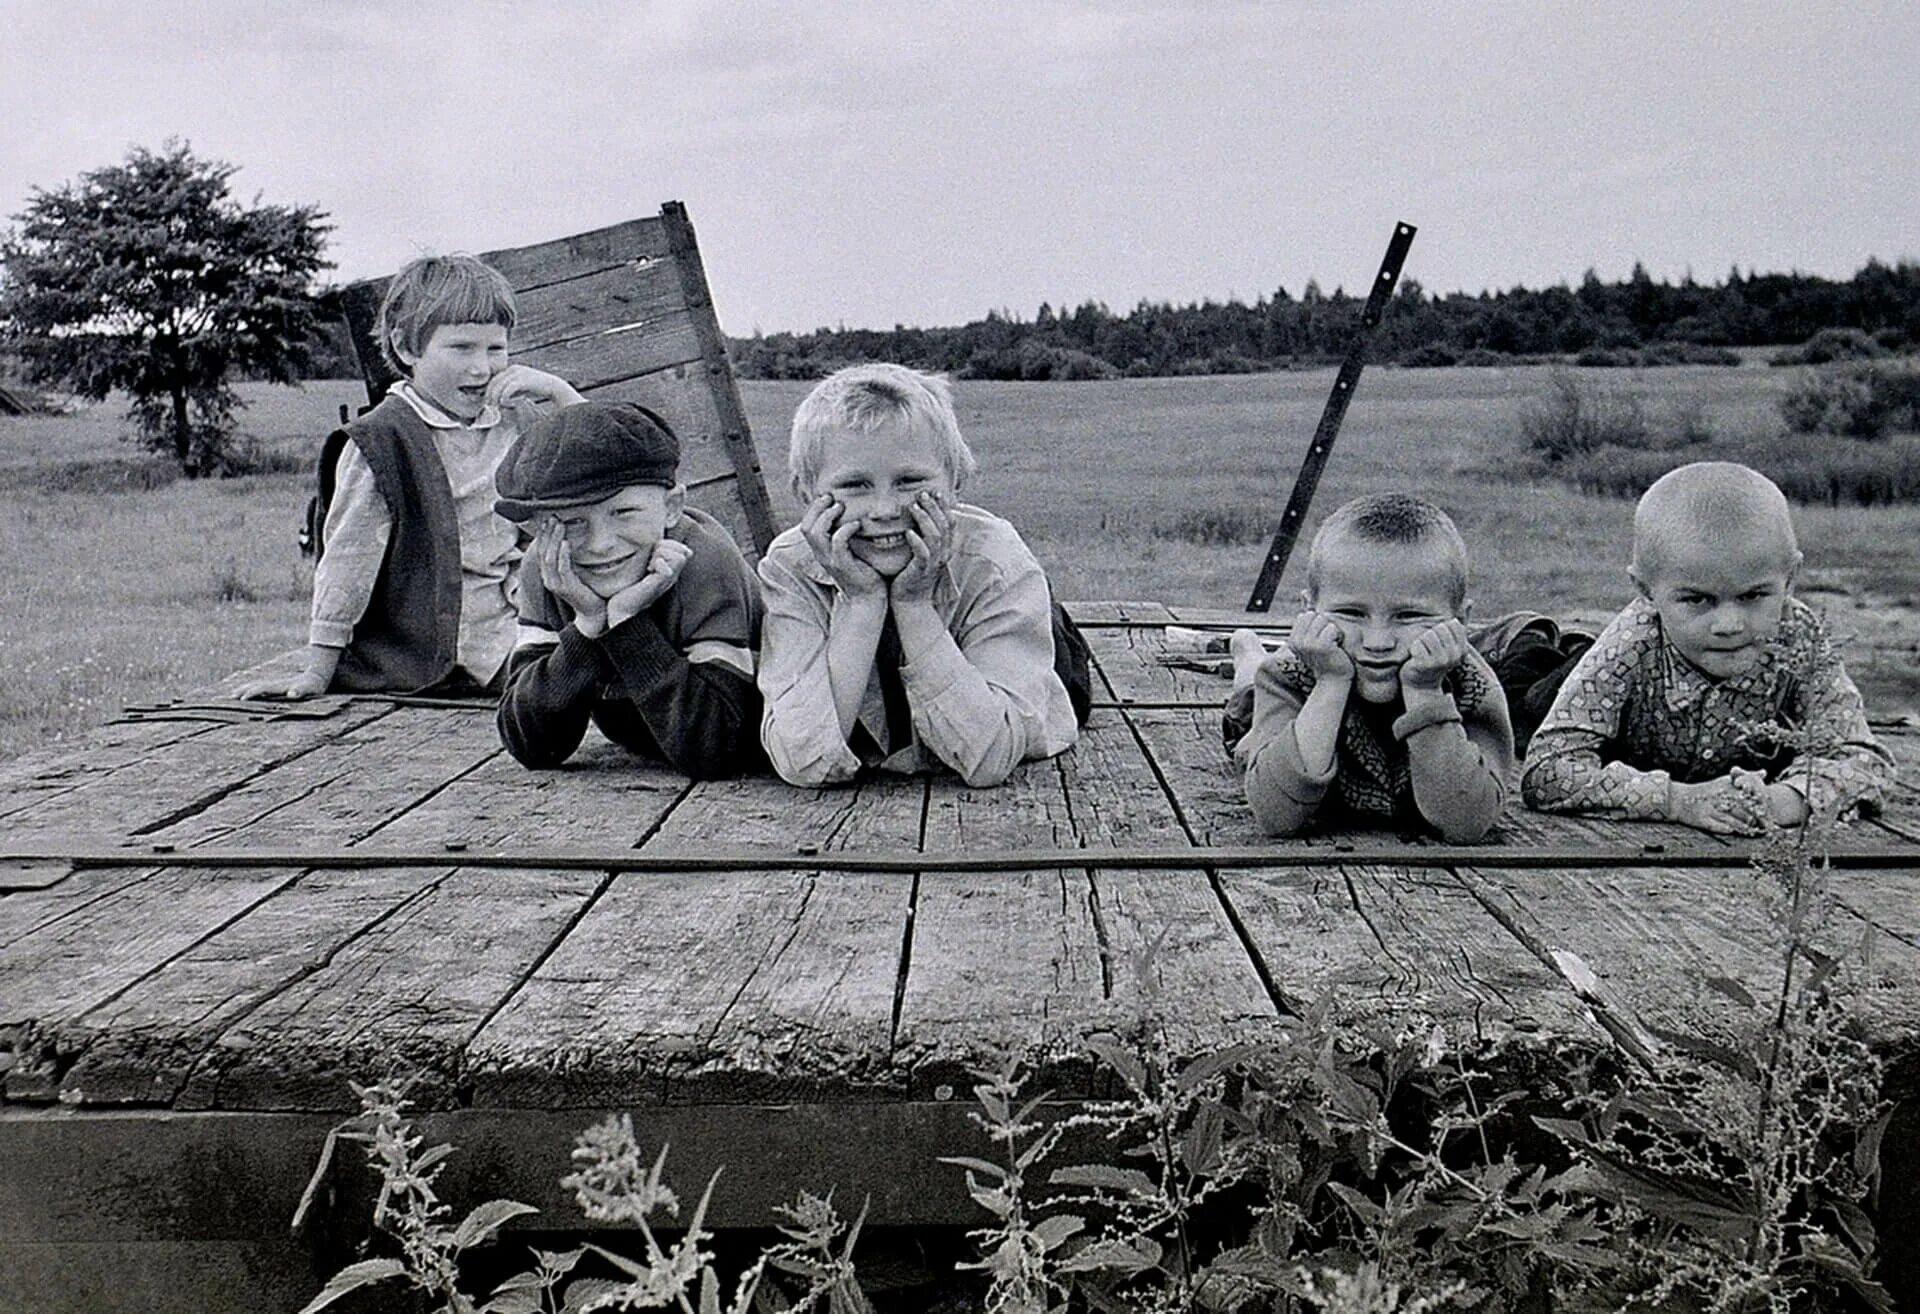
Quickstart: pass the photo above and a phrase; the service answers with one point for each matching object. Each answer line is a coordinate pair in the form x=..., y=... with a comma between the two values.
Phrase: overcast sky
x=925, y=162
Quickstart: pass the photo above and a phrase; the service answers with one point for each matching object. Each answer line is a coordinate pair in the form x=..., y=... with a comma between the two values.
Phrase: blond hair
x=862, y=398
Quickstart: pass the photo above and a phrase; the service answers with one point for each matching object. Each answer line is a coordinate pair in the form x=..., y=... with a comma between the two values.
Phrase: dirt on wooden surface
x=1879, y=638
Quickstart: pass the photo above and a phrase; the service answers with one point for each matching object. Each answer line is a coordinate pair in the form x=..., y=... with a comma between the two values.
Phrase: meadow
x=127, y=586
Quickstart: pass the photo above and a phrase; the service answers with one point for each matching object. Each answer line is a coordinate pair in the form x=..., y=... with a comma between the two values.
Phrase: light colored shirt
x=360, y=523
x=982, y=702
x=1634, y=716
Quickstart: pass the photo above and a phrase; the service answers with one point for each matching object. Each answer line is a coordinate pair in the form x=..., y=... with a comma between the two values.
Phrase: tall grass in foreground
x=1147, y=488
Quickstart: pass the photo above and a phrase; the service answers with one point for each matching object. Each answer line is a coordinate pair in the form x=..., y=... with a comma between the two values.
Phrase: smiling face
x=875, y=474
x=1382, y=596
x=1720, y=597
x=452, y=371
x=611, y=541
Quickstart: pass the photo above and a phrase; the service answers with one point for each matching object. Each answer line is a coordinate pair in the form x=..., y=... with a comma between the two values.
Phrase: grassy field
x=1153, y=488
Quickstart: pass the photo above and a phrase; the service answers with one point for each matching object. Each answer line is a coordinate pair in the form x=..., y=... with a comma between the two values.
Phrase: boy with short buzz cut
x=637, y=612
x=412, y=591
x=1376, y=708
x=904, y=628
x=1714, y=699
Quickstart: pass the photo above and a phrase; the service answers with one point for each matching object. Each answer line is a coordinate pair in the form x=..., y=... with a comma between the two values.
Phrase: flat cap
x=580, y=454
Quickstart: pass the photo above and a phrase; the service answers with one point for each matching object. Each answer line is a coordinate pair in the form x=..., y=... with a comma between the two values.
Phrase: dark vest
x=409, y=638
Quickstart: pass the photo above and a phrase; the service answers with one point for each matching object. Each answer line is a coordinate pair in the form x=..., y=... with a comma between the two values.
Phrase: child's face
x=452, y=371
x=1720, y=602
x=875, y=476
x=1381, y=597
x=611, y=541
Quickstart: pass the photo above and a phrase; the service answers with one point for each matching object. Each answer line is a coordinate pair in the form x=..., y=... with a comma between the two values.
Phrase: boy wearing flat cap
x=637, y=612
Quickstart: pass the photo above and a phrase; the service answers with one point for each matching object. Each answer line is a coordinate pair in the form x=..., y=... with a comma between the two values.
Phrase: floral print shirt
x=1634, y=716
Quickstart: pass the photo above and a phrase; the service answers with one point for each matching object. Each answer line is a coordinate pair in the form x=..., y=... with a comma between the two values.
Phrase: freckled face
x=1382, y=596
x=452, y=371
x=875, y=475
x=1720, y=603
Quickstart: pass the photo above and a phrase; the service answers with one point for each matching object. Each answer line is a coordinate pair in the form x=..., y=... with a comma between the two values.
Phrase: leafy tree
x=149, y=277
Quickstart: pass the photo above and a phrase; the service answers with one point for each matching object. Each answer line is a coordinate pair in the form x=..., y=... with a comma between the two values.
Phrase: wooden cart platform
x=214, y=915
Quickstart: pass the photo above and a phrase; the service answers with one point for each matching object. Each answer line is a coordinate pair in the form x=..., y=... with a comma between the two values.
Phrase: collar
x=1688, y=685
x=436, y=418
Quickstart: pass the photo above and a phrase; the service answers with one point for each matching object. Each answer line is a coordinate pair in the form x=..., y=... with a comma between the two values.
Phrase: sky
x=877, y=164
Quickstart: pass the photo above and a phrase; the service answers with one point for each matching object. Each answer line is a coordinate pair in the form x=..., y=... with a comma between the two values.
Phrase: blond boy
x=413, y=588
x=905, y=629
x=1714, y=699
x=1376, y=709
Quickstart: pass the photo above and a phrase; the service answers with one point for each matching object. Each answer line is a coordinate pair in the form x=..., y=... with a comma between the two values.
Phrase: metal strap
x=1336, y=410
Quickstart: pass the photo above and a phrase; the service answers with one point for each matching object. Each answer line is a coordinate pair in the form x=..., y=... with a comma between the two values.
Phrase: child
x=903, y=627
x=637, y=612
x=412, y=590
x=1376, y=707
x=1696, y=698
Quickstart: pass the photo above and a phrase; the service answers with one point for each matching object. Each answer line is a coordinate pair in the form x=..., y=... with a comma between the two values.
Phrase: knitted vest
x=409, y=638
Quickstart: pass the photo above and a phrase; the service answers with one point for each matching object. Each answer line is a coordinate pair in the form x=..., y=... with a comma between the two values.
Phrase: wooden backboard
x=623, y=314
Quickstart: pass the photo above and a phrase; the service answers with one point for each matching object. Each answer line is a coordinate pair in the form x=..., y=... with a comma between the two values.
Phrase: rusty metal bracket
x=1336, y=410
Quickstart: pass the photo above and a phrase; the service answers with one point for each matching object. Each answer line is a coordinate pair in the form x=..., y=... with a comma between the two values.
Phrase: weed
x=1208, y=526
x=1575, y=418
x=230, y=583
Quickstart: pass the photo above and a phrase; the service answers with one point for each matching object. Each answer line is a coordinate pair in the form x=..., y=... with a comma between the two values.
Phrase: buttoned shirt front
x=1634, y=716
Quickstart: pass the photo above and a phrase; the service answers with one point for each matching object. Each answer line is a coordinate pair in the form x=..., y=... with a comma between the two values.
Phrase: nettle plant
x=1350, y=1170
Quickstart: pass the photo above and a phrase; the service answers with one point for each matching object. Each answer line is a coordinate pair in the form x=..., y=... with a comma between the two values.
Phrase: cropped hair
x=1712, y=502
x=1393, y=518
x=438, y=290
x=862, y=398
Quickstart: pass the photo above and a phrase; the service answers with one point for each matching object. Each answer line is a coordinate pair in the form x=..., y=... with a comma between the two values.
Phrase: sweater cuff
x=640, y=651
x=1412, y=723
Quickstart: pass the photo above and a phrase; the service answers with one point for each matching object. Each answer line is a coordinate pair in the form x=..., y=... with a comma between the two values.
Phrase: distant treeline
x=1639, y=320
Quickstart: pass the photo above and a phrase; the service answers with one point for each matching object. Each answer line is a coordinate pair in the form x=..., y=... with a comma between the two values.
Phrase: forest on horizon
x=1639, y=320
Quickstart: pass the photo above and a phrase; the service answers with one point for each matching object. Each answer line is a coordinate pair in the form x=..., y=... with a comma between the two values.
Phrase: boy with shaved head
x=1715, y=698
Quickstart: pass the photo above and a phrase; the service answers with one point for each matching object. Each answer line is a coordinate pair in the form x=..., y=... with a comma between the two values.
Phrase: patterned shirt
x=1372, y=776
x=1634, y=716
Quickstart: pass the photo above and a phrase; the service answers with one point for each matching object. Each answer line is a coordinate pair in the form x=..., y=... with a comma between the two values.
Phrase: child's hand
x=1435, y=652
x=931, y=541
x=670, y=557
x=828, y=532
x=554, y=560
x=1726, y=805
x=523, y=383
x=311, y=682
x=1316, y=638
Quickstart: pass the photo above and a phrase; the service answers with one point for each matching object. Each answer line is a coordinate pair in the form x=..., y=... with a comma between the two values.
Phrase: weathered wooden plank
x=188, y=775
x=701, y=986
x=32, y=779
x=265, y=1276
x=1393, y=944
x=102, y=947
x=402, y=995
x=1129, y=659
x=330, y=794
x=1656, y=937
x=594, y=301
x=623, y=352
x=1119, y=612
x=1188, y=753
x=143, y=1044
x=1524, y=826
x=387, y=965
x=604, y=795
x=1270, y=625
x=680, y=396
x=528, y=267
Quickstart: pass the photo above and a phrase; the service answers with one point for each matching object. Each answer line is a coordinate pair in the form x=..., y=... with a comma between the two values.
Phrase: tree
x=149, y=278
